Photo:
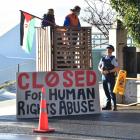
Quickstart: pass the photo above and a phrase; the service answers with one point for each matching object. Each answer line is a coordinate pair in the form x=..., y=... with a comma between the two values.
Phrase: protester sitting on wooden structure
x=48, y=19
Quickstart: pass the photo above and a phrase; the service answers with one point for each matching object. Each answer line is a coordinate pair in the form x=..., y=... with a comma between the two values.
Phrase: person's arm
x=100, y=65
x=67, y=22
x=100, y=68
x=79, y=25
x=116, y=66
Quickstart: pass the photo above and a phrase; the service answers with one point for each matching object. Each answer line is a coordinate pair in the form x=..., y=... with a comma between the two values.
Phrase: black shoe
x=106, y=108
x=115, y=109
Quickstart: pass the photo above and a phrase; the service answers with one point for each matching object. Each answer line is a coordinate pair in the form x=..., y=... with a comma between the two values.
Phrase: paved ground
x=123, y=124
x=108, y=125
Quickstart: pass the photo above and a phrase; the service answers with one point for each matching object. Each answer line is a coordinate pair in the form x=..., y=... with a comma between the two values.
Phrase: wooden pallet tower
x=62, y=48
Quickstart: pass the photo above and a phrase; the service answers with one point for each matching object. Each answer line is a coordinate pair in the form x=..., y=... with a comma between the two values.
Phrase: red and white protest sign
x=67, y=93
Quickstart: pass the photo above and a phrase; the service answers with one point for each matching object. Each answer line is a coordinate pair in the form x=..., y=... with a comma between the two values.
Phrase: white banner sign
x=67, y=93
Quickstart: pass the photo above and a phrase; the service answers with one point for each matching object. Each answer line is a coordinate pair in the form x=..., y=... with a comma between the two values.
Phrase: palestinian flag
x=27, y=30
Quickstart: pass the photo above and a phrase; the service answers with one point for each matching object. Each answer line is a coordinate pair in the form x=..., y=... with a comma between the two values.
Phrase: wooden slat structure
x=43, y=49
x=64, y=49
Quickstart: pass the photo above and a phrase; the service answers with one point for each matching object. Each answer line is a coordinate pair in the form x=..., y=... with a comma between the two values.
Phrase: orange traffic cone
x=43, y=118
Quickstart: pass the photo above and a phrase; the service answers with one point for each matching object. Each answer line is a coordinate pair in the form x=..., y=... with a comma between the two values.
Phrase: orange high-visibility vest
x=73, y=20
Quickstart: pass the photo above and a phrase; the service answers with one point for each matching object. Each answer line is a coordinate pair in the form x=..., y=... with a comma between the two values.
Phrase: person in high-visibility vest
x=72, y=20
x=108, y=66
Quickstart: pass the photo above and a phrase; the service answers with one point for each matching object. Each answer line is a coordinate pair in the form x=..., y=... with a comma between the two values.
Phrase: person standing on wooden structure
x=72, y=20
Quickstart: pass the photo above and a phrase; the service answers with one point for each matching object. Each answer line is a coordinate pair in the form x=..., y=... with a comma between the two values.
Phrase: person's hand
x=105, y=72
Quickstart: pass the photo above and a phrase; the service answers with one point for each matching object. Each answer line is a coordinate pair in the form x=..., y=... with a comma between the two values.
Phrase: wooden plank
x=71, y=49
x=43, y=50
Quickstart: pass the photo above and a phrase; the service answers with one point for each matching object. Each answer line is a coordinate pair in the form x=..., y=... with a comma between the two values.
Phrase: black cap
x=76, y=9
x=50, y=11
x=110, y=47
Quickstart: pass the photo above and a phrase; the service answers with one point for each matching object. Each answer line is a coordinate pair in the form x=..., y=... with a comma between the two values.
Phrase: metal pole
x=18, y=67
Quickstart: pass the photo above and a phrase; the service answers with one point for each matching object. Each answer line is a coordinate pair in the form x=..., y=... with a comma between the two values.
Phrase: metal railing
x=99, y=41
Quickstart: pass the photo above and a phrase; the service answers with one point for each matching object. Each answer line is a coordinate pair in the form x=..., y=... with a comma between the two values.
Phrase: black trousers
x=108, y=86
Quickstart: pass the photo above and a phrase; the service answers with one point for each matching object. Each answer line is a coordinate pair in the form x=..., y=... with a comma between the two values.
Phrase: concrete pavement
x=108, y=125
x=32, y=137
x=122, y=124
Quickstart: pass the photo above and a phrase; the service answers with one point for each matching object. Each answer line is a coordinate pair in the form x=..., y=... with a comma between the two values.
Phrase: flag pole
x=31, y=15
x=39, y=18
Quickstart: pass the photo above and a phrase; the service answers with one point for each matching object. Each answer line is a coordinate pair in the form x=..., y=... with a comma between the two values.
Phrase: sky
x=10, y=14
